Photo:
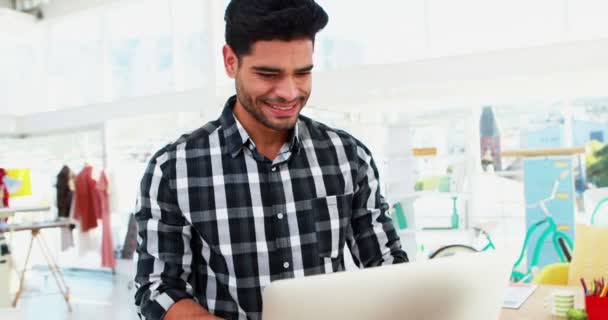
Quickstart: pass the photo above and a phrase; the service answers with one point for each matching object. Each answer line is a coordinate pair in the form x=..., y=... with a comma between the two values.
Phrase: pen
x=604, y=292
x=584, y=286
x=593, y=288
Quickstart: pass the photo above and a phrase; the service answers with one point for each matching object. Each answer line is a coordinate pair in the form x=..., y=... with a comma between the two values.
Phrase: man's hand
x=188, y=309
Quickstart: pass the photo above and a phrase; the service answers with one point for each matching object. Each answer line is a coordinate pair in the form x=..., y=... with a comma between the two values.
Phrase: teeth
x=281, y=108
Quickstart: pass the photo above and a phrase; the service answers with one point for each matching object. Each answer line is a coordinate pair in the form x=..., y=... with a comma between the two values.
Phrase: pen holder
x=597, y=308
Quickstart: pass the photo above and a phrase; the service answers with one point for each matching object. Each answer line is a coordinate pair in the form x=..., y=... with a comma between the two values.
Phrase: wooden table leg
x=55, y=271
x=22, y=277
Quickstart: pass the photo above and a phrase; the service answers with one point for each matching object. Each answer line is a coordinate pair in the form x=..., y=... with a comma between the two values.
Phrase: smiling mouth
x=282, y=107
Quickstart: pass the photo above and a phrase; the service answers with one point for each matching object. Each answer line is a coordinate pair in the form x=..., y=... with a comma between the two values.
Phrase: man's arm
x=374, y=239
x=187, y=309
x=165, y=254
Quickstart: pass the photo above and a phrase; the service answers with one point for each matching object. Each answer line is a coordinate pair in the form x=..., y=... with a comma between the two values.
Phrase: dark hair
x=248, y=21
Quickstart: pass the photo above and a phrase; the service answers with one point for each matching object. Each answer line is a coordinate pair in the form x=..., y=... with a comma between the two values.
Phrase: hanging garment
x=4, y=194
x=86, y=200
x=107, y=247
x=65, y=184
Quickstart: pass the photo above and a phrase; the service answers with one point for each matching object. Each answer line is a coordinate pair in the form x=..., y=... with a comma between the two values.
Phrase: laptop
x=463, y=287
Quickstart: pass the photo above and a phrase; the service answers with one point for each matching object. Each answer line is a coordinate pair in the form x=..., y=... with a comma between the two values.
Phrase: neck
x=267, y=140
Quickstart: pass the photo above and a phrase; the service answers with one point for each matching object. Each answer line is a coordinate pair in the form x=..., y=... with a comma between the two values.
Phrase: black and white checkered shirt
x=218, y=221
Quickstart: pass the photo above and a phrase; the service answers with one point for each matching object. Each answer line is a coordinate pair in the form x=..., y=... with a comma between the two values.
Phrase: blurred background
x=476, y=111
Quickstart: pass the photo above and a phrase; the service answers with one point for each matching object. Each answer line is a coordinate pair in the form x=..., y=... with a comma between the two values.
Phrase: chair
x=553, y=274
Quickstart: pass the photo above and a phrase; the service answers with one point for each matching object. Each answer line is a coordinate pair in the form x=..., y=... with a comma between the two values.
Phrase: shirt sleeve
x=374, y=240
x=164, y=251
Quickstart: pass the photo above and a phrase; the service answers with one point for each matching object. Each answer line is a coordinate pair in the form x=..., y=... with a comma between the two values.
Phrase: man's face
x=274, y=81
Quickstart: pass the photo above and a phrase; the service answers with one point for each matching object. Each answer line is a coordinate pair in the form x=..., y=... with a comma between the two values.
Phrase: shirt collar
x=237, y=137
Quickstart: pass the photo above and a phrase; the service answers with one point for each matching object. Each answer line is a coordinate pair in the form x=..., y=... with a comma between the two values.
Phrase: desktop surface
x=534, y=308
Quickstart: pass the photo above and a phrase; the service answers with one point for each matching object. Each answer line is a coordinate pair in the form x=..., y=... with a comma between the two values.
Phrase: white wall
x=14, y=24
x=8, y=125
x=58, y=8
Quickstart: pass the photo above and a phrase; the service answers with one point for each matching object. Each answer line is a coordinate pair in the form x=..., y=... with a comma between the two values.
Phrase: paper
x=517, y=294
x=23, y=184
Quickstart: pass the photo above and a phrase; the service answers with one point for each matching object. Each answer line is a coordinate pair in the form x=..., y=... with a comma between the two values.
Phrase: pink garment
x=107, y=247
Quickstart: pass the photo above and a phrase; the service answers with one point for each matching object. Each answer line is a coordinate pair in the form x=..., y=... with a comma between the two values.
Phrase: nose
x=287, y=89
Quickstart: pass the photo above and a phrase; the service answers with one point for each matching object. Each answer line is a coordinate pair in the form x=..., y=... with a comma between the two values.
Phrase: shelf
x=27, y=209
x=412, y=231
x=421, y=194
x=6, y=213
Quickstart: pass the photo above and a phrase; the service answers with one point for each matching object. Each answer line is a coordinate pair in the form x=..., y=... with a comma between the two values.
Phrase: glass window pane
x=75, y=55
x=393, y=31
x=192, y=61
x=12, y=91
x=587, y=19
x=21, y=66
x=140, y=48
x=459, y=27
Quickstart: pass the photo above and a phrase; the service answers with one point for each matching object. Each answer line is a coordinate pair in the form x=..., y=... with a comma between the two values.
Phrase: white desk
x=534, y=308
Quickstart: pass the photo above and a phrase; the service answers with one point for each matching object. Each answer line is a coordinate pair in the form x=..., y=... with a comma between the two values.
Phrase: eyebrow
x=279, y=70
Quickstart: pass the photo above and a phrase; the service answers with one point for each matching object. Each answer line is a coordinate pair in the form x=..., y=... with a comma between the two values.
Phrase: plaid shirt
x=218, y=221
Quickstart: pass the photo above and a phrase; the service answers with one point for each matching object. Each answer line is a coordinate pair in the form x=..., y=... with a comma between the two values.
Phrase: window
x=140, y=48
x=378, y=32
x=587, y=19
x=75, y=60
x=192, y=40
x=460, y=27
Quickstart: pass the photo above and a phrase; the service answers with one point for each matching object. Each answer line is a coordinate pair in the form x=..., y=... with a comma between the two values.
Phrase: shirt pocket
x=331, y=216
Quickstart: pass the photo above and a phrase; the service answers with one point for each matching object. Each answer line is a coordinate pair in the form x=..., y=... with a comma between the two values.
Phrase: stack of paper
x=517, y=294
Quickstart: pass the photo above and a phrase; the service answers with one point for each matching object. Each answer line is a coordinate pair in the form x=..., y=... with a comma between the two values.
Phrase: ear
x=231, y=61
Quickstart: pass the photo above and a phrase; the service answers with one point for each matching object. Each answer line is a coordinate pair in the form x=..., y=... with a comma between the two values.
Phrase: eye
x=303, y=74
x=267, y=75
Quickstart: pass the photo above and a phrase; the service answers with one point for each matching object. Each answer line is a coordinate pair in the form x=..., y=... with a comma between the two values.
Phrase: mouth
x=282, y=109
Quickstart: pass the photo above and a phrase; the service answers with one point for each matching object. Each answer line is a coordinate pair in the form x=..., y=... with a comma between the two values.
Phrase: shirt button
x=280, y=216
x=286, y=265
x=274, y=169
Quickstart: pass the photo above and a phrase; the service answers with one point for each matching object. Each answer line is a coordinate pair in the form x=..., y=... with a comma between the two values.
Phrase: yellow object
x=553, y=274
x=544, y=152
x=424, y=152
x=604, y=292
x=23, y=175
x=590, y=255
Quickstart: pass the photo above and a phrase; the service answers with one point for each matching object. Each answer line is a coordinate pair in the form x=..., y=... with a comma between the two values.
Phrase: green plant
x=596, y=160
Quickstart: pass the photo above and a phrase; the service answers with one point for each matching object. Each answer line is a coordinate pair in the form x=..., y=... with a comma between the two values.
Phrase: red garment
x=3, y=189
x=87, y=208
x=107, y=248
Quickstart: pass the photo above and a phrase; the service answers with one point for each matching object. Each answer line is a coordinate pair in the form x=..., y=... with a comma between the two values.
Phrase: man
x=262, y=193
